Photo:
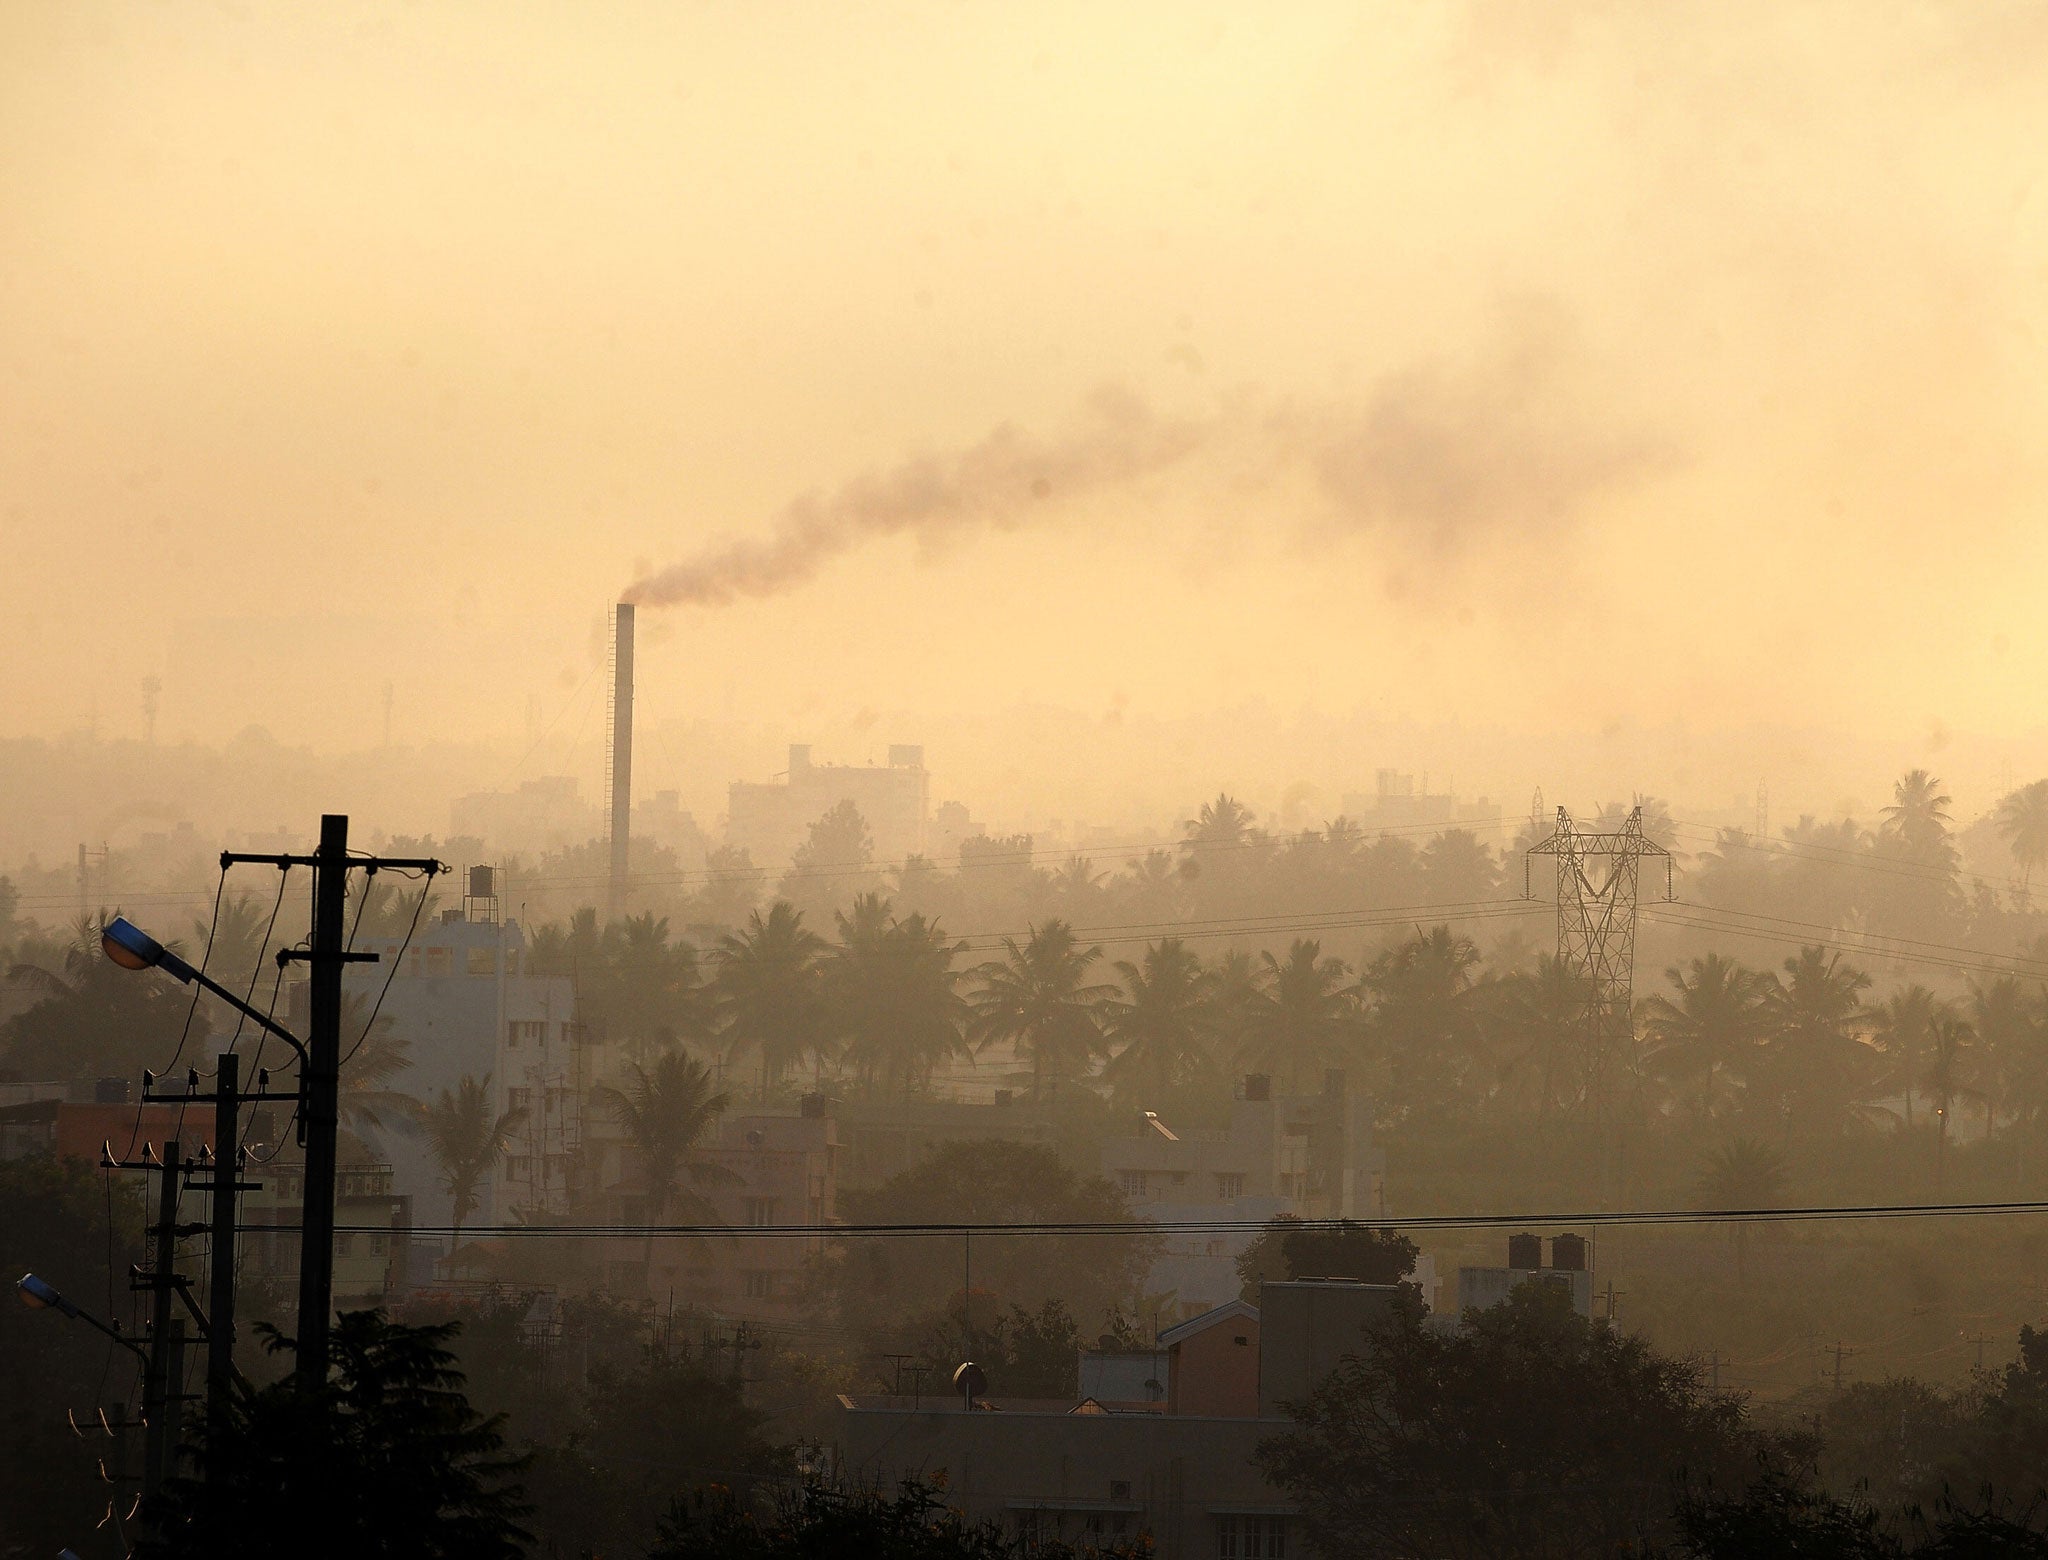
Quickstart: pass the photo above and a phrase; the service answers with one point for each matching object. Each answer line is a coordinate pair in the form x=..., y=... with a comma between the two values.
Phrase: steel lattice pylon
x=1596, y=933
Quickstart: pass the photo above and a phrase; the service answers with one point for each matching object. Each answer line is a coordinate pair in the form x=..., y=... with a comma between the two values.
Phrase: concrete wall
x=1216, y=1370
x=1306, y=1327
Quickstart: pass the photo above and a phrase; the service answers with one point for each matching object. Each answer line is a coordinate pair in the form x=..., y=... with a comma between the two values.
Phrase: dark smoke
x=1437, y=454
x=1002, y=481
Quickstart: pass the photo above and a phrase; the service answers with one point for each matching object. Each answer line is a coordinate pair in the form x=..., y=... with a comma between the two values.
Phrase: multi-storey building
x=761, y=1169
x=1178, y=1468
x=1310, y=1156
x=771, y=820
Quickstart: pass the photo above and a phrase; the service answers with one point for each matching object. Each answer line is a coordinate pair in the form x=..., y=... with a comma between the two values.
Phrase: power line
x=1125, y=1228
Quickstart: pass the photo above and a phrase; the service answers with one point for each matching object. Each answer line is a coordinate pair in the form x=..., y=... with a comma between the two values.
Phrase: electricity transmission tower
x=1597, y=877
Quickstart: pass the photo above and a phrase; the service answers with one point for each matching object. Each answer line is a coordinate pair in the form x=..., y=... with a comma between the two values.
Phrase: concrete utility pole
x=320, y=1071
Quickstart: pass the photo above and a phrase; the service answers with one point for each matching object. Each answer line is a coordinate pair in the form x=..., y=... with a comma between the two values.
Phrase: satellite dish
x=969, y=1380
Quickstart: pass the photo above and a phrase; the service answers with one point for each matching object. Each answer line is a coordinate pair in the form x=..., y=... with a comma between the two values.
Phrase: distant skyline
x=1545, y=370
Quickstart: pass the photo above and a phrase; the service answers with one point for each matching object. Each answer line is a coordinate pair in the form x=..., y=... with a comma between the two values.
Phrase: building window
x=1134, y=1183
x=520, y=1032
x=480, y=961
x=759, y=1285
x=760, y=1210
x=440, y=962
x=1251, y=1538
x=519, y=1099
x=1218, y=1247
x=1229, y=1185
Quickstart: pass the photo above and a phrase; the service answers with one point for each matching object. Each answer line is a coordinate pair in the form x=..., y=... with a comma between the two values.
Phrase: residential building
x=1397, y=805
x=1183, y=1472
x=762, y=1169
x=542, y=815
x=1310, y=1156
x=770, y=820
x=464, y=1005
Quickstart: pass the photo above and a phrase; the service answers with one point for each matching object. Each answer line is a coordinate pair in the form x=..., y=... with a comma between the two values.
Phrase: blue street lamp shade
x=129, y=946
x=38, y=1294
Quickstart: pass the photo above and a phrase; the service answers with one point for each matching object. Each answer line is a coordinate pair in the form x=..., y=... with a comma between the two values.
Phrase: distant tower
x=1763, y=811
x=619, y=754
x=152, y=688
x=1596, y=939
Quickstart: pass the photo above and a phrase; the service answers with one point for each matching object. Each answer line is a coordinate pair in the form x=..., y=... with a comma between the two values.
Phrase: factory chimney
x=621, y=755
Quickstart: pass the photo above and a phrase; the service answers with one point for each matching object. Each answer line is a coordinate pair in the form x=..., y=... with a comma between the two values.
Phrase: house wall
x=1217, y=1370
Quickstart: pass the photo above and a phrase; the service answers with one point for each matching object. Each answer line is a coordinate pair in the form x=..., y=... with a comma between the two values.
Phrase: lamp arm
x=175, y=966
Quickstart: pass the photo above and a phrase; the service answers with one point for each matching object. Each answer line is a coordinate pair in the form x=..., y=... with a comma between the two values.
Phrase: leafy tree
x=767, y=992
x=1039, y=997
x=885, y=1287
x=1024, y=1352
x=2008, y=1033
x=834, y=861
x=1161, y=1025
x=2022, y=822
x=1458, y=869
x=87, y=1017
x=385, y=1458
x=1283, y=1249
x=1304, y=1019
x=1530, y=1432
x=817, y=1522
x=55, y=1224
x=645, y=1429
x=467, y=1134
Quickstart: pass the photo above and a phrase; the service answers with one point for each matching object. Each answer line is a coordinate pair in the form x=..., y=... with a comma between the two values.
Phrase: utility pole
x=227, y=1172
x=320, y=1074
x=1842, y=1351
x=161, y=1280
x=322, y=1088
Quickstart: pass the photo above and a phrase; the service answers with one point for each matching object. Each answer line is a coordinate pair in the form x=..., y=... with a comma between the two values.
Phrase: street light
x=129, y=946
x=39, y=1295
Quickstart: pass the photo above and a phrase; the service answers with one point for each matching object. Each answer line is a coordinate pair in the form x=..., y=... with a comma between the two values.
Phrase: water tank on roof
x=1257, y=1086
x=814, y=1106
x=483, y=883
x=1568, y=1253
x=110, y=1091
x=1525, y=1251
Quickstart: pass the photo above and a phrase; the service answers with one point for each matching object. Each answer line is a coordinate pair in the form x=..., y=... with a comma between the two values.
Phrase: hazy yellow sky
x=1631, y=360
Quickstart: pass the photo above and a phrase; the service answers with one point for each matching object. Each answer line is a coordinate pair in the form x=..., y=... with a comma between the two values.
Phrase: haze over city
x=1032, y=780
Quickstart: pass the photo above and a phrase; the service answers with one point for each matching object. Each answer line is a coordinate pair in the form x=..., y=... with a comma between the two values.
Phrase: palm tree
x=892, y=995
x=1742, y=1174
x=1543, y=1017
x=1918, y=816
x=767, y=992
x=375, y=1054
x=1947, y=1078
x=1903, y=1030
x=1225, y=822
x=649, y=984
x=1163, y=1022
x=1823, y=1070
x=2022, y=822
x=1305, y=1016
x=665, y=1112
x=2007, y=1033
x=467, y=1136
x=1039, y=996
x=87, y=1017
x=1711, y=1031
x=1424, y=1014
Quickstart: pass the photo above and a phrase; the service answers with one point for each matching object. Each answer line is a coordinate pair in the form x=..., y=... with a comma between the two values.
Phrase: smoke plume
x=1005, y=480
x=1517, y=441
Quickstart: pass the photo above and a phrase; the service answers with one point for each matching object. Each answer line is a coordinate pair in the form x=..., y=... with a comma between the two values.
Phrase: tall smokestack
x=622, y=752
